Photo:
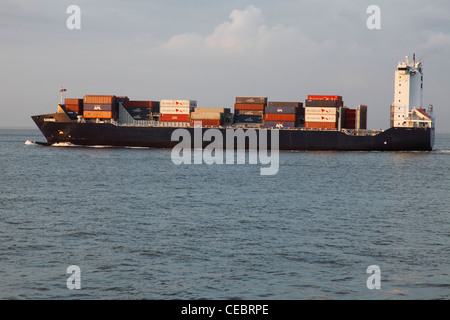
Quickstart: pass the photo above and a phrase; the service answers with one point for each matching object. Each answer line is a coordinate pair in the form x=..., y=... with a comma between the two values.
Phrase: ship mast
x=62, y=90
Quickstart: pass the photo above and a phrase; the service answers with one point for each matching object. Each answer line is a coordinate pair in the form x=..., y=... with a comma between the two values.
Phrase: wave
x=441, y=151
x=97, y=147
x=63, y=144
x=30, y=143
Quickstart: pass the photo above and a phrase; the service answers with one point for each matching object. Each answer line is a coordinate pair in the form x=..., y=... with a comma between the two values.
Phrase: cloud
x=436, y=44
x=244, y=31
x=246, y=34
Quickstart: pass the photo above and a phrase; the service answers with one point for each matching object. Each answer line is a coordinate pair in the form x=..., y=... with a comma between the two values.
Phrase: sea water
x=140, y=227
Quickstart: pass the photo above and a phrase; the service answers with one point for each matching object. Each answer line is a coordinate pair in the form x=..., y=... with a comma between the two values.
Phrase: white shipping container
x=206, y=115
x=321, y=111
x=174, y=110
x=178, y=103
x=320, y=118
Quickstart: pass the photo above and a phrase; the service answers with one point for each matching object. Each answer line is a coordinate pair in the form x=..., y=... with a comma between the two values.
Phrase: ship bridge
x=407, y=108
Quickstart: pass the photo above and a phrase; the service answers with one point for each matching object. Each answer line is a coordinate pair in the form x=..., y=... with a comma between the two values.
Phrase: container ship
x=320, y=122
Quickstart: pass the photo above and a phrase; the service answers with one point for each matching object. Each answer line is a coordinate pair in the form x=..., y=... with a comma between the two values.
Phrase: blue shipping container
x=279, y=124
x=285, y=110
x=98, y=107
x=139, y=113
x=243, y=118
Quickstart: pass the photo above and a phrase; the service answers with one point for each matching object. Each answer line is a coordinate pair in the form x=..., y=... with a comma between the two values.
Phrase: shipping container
x=249, y=106
x=350, y=125
x=250, y=112
x=280, y=124
x=178, y=103
x=221, y=110
x=98, y=114
x=175, y=110
x=174, y=117
x=238, y=118
x=350, y=119
x=71, y=101
x=361, y=117
x=98, y=107
x=141, y=104
x=121, y=99
x=152, y=105
x=280, y=117
x=280, y=109
x=74, y=108
x=285, y=104
x=320, y=125
x=139, y=113
x=207, y=115
x=99, y=99
x=206, y=123
x=252, y=100
x=324, y=97
x=320, y=118
x=350, y=113
x=320, y=111
x=324, y=103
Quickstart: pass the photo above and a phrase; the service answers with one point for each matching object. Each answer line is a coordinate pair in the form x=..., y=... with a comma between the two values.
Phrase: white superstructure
x=407, y=108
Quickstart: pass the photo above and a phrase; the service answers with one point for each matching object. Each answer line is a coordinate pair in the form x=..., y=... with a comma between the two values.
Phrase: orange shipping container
x=175, y=117
x=98, y=114
x=73, y=107
x=249, y=106
x=99, y=99
x=70, y=101
x=279, y=117
x=320, y=125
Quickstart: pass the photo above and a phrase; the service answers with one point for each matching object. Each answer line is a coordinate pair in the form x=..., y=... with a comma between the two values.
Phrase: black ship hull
x=108, y=134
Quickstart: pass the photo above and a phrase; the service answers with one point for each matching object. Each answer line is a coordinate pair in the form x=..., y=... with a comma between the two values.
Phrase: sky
x=213, y=51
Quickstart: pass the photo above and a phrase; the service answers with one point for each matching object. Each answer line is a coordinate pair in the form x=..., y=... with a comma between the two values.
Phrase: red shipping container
x=249, y=106
x=175, y=117
x=322, y=97
x=141, y=104
x=320, y=125
x=279, y=117
x=208, y=122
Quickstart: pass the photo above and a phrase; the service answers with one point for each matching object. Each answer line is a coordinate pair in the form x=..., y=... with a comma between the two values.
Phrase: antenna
x=414, y=59
x=62, y=90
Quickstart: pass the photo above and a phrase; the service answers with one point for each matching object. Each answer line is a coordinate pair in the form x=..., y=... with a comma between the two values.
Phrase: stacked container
x=141, y=110
x=99, y=107
x=350, y=119
x=74, y=105
x=249, y=110
x=283, y=114
x=209, y=117
x=361, y=117
x=176, y=110
x=322, y=111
